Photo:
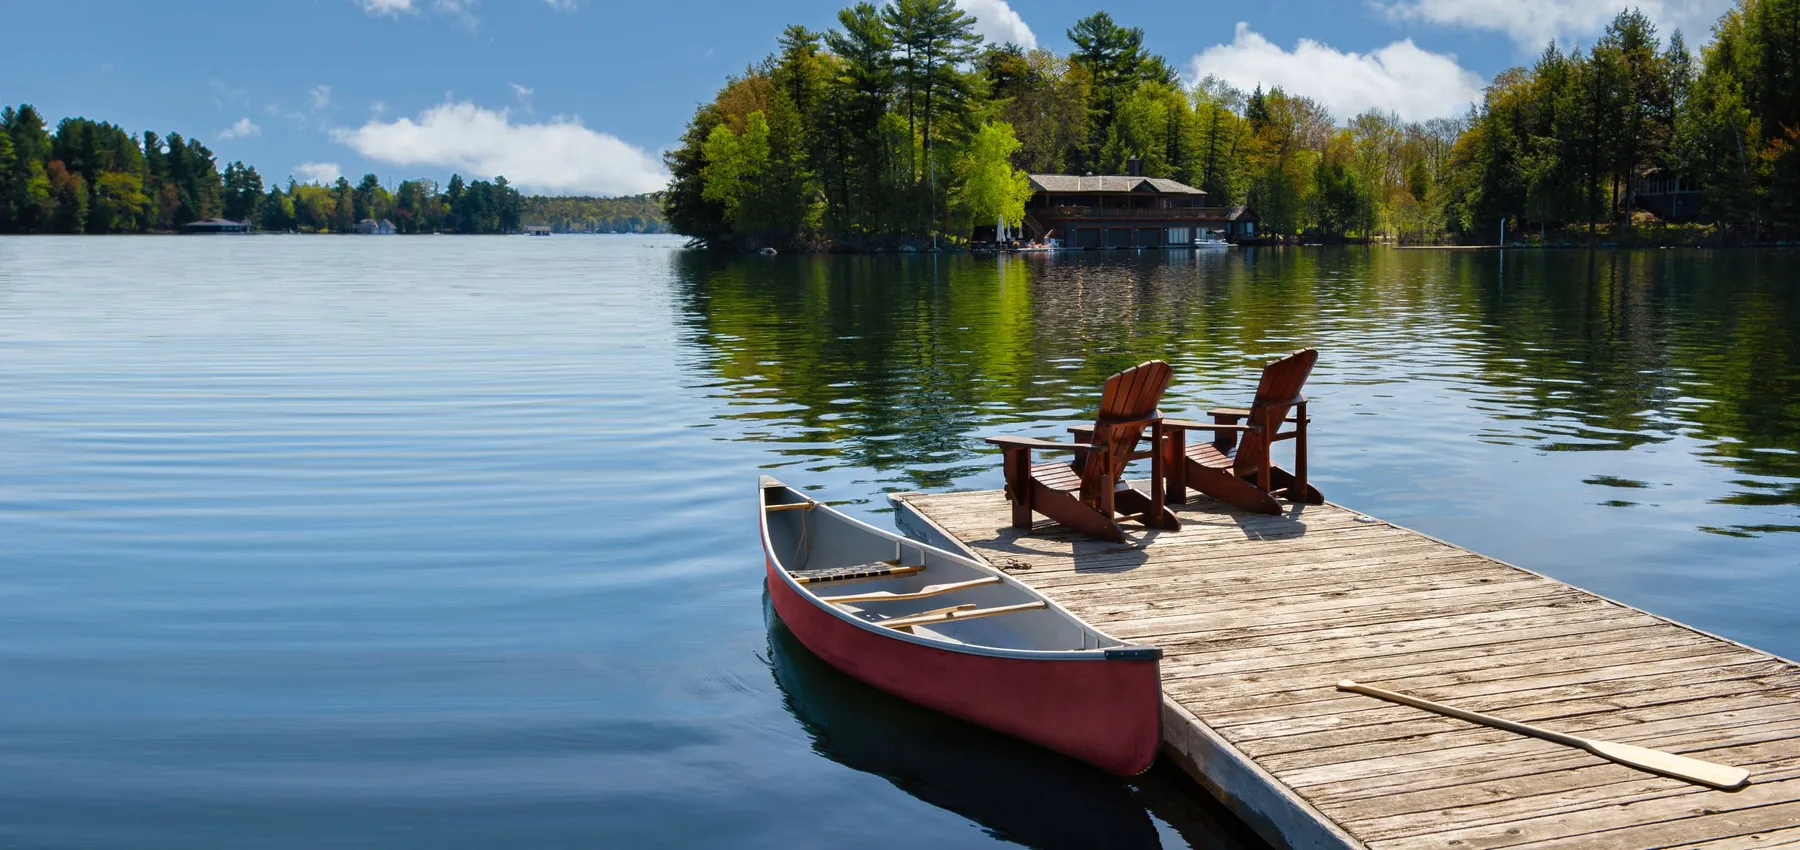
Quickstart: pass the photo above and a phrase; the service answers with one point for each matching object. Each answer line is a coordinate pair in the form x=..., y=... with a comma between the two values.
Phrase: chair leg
x=1296, y=490
x=1174, y=464
x=1079, y=516
x=1019, y=485
x=1155, y=516
x=1158, y=493
x=1224, y=441
x=1230, y=489
x=1299, y=490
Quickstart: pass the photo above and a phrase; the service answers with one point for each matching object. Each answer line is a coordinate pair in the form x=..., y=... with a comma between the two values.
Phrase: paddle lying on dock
x=1719, y=776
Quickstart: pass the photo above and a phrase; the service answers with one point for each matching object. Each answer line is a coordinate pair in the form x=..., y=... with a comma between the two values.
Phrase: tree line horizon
x=901, y=126
x=94, y=177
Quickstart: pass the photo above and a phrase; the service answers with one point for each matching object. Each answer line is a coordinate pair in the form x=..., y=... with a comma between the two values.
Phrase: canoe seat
x=959, y=612
x=877, y=569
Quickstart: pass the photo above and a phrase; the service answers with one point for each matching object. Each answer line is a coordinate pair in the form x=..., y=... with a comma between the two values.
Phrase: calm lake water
x=449, y=542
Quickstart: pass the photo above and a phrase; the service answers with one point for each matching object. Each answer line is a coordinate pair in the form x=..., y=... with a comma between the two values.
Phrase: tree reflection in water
x=897, y=364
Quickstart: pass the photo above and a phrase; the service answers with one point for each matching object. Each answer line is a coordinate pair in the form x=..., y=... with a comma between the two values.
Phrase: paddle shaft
x=1460, y=714
x=1719, y=776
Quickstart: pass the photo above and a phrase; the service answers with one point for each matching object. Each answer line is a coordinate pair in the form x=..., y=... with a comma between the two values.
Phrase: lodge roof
x=1110, y=183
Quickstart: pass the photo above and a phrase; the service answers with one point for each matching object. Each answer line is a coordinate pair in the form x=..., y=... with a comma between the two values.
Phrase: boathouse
x=371, y=227
x=216, y=225
x=1128, y=211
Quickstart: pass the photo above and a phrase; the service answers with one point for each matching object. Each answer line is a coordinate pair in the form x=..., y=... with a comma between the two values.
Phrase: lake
x=450, y=541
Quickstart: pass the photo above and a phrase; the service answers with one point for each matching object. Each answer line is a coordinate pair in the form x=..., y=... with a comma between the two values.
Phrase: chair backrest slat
x=1128, y=399
x=1276, y=395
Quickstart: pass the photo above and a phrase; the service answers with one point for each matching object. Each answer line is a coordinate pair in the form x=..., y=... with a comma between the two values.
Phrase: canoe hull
x=1106, y=712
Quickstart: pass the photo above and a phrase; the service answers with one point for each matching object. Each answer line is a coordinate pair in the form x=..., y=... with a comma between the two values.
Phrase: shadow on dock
x=1016, y=791
x=1010, y=548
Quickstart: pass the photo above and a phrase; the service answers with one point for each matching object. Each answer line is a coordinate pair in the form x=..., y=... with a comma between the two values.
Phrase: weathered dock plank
x=1259, y=617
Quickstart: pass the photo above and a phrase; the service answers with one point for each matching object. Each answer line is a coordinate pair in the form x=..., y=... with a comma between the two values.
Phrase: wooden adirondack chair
x=1239, y=471
x=1088, y=494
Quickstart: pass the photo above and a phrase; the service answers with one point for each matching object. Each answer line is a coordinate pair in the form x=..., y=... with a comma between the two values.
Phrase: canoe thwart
x=960, y=613
x=921, y=593
x=791, y=506
x=934, y=614
x=877, y=569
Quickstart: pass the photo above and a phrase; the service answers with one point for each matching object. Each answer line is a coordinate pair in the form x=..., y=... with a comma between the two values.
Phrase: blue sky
x=581, y=96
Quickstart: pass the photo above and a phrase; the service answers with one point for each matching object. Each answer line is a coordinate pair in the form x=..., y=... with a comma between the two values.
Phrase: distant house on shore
x=1127, y=211
x=216, y=225
x=1668, y=196
x=537, y=230
x=372, y=227
x=1240, y=223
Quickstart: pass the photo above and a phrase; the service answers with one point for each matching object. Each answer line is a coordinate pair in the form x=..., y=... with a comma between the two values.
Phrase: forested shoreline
x=582, y=214
x=882, y=133
x=94, y=177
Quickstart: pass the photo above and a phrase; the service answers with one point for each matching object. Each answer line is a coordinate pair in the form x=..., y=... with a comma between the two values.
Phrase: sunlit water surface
x=449, y=542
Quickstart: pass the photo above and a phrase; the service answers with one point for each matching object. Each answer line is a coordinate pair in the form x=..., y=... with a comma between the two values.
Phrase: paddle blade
x=1723, y=777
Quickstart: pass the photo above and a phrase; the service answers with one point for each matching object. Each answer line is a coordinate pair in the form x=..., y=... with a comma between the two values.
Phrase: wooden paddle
x=1719, y=776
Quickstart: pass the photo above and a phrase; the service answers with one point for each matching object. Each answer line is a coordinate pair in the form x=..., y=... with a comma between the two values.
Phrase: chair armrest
x=1035, y=443
x=1241, y=413
x=1190, y=425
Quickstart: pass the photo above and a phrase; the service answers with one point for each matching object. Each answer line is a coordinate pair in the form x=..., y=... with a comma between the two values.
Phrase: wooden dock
x=1259, y=616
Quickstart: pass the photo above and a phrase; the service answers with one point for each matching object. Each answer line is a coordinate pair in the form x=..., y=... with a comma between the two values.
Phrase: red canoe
x=955, y=635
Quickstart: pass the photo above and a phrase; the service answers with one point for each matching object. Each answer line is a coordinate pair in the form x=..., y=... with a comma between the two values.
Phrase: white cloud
x=563, y=5
x=243, y=127
x=385, y=7
x=1401, y=78
x=461, y=10
x=321, y=96
x=520, y=92
x=378, y=107
x=559, y=155
x=1532, y=23
x=323, y=173
x=223, y=94
x=997, y=22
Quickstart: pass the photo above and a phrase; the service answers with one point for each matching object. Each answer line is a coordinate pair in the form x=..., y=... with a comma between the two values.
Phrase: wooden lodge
x=1128, y=211
x=216, y=225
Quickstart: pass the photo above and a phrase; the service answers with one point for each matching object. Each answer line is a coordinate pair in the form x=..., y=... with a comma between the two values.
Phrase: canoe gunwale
x=1124, y=651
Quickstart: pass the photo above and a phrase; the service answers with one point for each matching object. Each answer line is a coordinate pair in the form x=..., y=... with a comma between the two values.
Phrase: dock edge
x=1270, y=809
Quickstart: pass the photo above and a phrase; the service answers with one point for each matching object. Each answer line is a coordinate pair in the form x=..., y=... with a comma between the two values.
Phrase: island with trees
x=901, y=128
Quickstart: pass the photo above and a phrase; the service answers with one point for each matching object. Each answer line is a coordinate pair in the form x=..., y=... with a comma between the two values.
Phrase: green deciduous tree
x=989, y=188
